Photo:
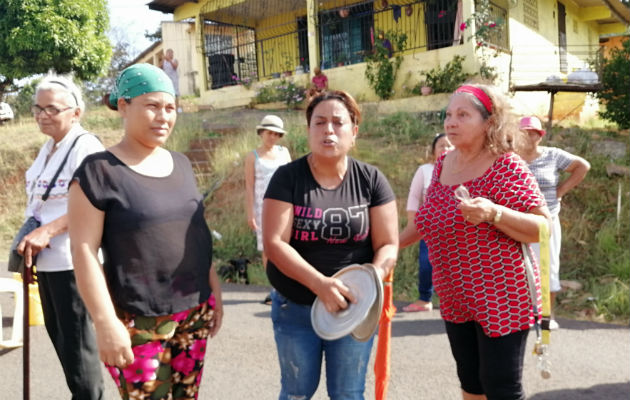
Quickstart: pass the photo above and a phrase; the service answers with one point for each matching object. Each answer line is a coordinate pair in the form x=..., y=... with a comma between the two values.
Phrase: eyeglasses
x=51, y=111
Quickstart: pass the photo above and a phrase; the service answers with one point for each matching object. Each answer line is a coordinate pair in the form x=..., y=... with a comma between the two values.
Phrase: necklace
x=466, y=164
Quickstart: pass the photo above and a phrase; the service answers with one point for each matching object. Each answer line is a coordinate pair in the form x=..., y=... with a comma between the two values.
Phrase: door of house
x=302, y=26
x=439, y=17
x=562, y=37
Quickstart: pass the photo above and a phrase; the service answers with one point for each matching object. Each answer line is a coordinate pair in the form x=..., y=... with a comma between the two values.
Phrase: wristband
x=497, y=215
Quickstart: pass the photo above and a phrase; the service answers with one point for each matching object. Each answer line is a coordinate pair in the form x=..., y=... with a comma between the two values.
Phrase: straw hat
x=271, y=123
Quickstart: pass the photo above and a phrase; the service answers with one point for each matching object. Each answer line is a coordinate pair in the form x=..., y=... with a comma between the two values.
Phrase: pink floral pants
x=168, y=354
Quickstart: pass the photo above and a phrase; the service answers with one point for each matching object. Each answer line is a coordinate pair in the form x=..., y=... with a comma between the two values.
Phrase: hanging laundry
x=396, y=11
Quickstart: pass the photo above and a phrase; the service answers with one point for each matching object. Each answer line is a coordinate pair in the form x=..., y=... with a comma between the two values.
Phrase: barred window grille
x=499, y=36
x=244, y=41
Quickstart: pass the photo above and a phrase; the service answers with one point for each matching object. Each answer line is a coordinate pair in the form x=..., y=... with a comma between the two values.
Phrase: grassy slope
x=594, y=246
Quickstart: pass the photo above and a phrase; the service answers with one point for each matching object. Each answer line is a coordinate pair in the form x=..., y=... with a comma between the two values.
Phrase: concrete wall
x=180, y=36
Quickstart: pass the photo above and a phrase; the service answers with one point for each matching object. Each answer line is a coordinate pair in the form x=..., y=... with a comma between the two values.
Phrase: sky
x=129, y=19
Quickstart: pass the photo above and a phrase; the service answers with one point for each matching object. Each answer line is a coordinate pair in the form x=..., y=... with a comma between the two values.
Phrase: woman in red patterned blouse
x=475, y=243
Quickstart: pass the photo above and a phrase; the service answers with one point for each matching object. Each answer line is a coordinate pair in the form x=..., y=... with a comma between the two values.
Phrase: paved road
x=590, y=360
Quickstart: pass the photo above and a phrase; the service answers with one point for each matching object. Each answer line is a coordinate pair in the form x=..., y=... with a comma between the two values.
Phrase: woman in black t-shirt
x=321, y=213
x=156, y=299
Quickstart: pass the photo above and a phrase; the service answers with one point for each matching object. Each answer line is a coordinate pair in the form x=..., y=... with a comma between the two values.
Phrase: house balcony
x=246, y=41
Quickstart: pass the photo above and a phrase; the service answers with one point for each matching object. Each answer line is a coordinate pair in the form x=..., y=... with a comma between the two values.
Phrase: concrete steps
x=200, y=150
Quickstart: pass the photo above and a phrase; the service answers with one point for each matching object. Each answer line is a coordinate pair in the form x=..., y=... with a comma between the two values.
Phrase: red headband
x=479, y=94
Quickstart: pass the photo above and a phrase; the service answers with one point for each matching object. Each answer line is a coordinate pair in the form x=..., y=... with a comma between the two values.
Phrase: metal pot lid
x=364, y=331
x=332, y=326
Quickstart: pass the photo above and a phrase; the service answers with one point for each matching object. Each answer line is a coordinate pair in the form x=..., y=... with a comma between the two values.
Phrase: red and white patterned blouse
x=478, y=271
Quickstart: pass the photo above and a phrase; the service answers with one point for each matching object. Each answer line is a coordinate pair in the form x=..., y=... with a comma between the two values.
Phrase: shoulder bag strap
x=63, y=163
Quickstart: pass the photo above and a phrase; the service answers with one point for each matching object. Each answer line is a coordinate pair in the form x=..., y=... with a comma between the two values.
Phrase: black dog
x=236, y=272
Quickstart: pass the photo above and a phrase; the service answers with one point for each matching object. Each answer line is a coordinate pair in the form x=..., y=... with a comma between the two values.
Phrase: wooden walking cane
x=26, y=279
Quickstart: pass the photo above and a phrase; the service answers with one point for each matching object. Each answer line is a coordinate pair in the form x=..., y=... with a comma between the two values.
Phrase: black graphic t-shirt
x=331, y=228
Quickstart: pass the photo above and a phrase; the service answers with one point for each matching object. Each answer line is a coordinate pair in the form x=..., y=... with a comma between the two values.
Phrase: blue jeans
x=300, y=353
x=425, y=271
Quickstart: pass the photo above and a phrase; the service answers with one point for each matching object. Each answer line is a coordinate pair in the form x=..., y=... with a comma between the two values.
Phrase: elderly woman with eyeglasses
x=57, y=108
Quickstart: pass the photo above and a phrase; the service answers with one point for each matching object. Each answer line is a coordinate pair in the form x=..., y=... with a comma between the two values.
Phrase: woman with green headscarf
x=155, y=299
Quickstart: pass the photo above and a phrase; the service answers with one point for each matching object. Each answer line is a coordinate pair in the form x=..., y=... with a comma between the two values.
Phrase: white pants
x=554, y=254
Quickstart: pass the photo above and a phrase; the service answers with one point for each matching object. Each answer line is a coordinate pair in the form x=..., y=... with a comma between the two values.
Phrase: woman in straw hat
x=260, y=164
x=546, y=163
x=156, y=299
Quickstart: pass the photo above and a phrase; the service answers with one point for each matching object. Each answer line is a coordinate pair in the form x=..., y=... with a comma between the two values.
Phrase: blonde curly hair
x=503, y=134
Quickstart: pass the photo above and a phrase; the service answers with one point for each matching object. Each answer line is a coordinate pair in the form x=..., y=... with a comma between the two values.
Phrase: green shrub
x=290, y=93
x=445, y=79
x=286, y=91
x=265, y=94
x=381, y=70
x=615, y=79
x=22, y=103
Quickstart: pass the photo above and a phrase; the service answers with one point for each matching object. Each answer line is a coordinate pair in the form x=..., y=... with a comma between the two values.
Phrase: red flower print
x=141, y=370
x=183, y=364
x=462, y=26
x=198, y=350
x=180, y=316
x=148, y=349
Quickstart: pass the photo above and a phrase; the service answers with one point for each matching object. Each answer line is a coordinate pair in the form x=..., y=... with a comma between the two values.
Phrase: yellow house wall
x=352, y=79
x=534, y=54
x=582, y=36
x=180, y=36
x=277, y=46
x=154, y=57
x=416, y=35
x=535, y=58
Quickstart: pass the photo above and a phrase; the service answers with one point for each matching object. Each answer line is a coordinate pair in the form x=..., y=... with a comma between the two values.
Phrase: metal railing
x=239, y=54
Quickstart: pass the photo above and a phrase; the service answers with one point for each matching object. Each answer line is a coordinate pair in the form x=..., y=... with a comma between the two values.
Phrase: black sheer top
x=156, y=244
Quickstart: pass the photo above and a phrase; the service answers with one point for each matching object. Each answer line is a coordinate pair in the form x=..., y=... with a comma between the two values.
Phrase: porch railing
x=240, y=54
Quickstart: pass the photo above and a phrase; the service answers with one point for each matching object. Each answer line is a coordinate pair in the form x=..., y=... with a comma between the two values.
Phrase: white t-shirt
x=419, y=185
x=57, y=256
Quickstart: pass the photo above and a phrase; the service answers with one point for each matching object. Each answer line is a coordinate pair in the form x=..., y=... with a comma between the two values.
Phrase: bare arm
x=384, y=232
x=277, y=221
x=85, y=225
x=39, y=238
x=577, y=171
x=250, y=181
x=410, y=234
x=520, y=226
x=217, y=315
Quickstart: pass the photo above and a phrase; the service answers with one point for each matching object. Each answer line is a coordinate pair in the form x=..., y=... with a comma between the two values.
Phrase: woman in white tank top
x=260, y=165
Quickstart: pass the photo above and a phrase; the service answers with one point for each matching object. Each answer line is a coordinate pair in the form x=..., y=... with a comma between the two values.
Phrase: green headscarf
x=139, y=79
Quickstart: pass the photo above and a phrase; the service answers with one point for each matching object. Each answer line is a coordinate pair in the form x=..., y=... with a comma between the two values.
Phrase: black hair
x=437, y=137
x=340, y=95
